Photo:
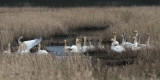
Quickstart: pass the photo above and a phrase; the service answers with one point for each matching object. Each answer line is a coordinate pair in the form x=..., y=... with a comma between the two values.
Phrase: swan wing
x=31, y=43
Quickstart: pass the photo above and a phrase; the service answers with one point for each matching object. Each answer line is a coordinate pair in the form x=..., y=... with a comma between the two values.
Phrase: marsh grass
x=105, y=65
x=77, y=67
x=47, y=22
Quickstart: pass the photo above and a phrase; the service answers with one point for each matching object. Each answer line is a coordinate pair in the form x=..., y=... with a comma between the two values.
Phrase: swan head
x=21, y=37
x=135, y=31
x=114, y=33
x=100, y=40
x=79, y=40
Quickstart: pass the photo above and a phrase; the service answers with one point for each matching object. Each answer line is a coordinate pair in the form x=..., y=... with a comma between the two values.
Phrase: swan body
x=41, y=51
x=76, y=48
x=66, y=48
x=116, y=47
x=9, y=49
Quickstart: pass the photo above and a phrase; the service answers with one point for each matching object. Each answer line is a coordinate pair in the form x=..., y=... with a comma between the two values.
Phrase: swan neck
x=115, y=37
x=136, y=34
x=139, y=41
x=135, y=40
x=148, y=41
x=123, y=40
x=113, y=45
x=19, y=40
x=65, y=43
x=77, y=42
x=90, y=44
x=79, y=45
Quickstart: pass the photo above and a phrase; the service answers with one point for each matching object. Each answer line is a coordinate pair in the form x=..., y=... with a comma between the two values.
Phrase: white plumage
x=76, y=48
x=135, y=45
x=126, y=44
x=41, y=51
x=66, y=48
x=27, y=45
x=116, y=47
x=91, y=47
x=85, y=47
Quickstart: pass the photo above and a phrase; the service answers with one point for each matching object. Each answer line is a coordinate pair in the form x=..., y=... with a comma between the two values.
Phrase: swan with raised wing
x=24, y=47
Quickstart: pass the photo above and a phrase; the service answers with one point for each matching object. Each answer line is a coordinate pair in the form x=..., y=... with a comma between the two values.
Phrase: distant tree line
x=78, y=3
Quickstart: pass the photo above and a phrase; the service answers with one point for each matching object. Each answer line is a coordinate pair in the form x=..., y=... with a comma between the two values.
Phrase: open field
x=49, y=23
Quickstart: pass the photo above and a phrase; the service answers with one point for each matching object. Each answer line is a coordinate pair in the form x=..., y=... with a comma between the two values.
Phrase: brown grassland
x=46, y=22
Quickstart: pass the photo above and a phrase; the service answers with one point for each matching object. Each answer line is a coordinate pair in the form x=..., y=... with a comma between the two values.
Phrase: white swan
x=91, y=47
x=116, y=47
x=9, y=49
x=27, y=45
x=126, y=44
x=76, y=48
x=100, y=46
x=135, y=45
x=85, y=47
x=41, y=51
x=115, y=38
x=66, y=48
